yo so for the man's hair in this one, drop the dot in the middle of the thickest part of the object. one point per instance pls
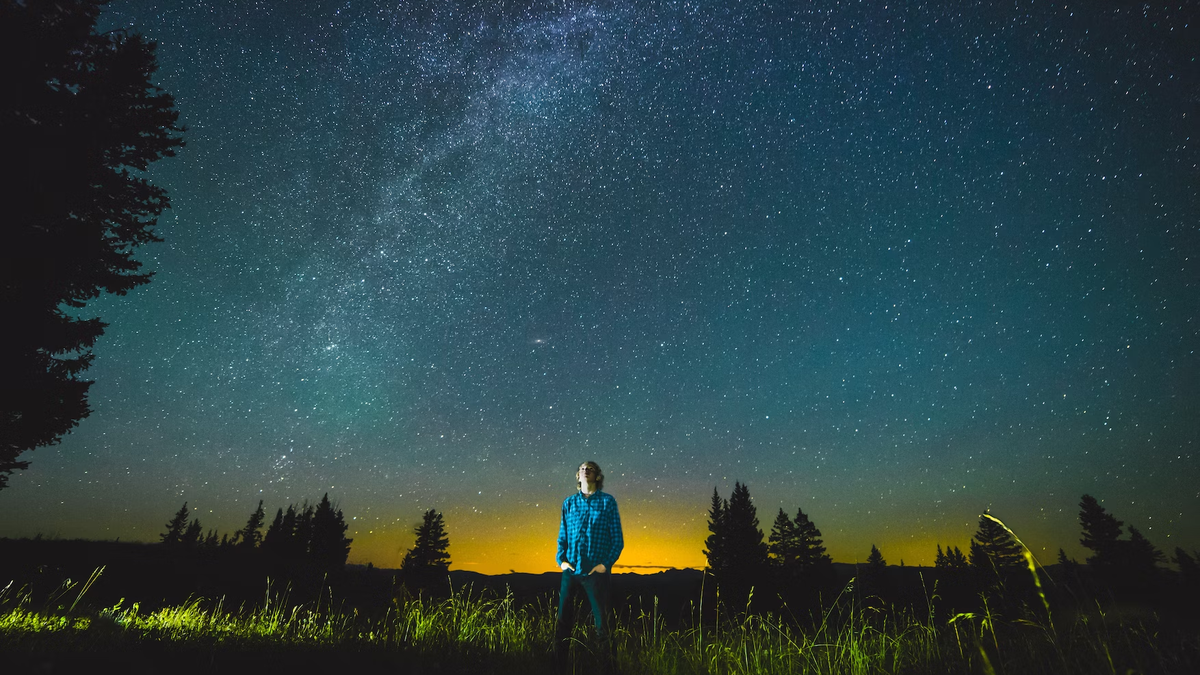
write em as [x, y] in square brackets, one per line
[599, 475]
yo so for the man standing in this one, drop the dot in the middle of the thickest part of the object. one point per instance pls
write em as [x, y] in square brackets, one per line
[589, 543]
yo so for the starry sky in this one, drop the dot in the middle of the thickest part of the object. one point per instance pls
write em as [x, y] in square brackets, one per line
[890, 263]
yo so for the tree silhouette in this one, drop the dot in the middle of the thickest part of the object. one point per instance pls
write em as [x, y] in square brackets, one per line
[993, 550]
[428, 561]
[716, 545]
[1141, 556]
[796, 552]
[783, 544]
[330, 547]
[956, 587]
[1101, 532]
[275, 541]
[175, 528]
[812, 555]
[250, 537]
[737, 554]
[191, 536]
[875, 561]
[79, 121]
[303, 532]
[952, 559]
[872, 577]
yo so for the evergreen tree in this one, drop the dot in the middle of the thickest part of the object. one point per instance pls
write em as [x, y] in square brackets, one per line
[872, 578]
[1063, 559]
[288, 532]
[428, 561]
[79, 124]
[191, 536]
[275, 540]
[250, 535]
[997, 550]
[875, 561]
[175, 528]
[330, 546]
[302, 537]
[747, 552]
[716, 545]
[1101, 532]
[956, 560]
[1141, 556]
[783, 548]
[810, 548]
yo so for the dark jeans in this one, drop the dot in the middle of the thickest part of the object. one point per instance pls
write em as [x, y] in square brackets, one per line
[596, 587]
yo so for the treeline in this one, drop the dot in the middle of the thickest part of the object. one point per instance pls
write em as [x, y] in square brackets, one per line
[789, 568]
[303, 535]
[306, 538]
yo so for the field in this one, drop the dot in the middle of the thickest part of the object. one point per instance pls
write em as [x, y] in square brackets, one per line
[486, 632]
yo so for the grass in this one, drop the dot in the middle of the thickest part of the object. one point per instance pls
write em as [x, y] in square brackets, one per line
[468, 632]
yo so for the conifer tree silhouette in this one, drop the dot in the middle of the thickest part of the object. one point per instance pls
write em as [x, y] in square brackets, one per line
[275, 540]
[175, 528]
[426, 563]
[1101, 533]
[737, 554]
[330, 547]
[993, 549]
[716, 545]
[191, 536]
[79, 122]
[250, 537]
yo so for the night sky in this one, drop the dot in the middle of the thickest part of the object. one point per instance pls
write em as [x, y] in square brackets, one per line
[893, 264]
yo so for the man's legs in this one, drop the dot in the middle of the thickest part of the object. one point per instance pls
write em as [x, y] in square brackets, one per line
[563, 621]
[597, 588]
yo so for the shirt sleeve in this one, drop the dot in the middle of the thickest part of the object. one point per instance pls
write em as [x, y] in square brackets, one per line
[562, 537]
[613, 522]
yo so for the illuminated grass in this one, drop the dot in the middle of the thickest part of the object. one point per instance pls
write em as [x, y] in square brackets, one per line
[467, 629]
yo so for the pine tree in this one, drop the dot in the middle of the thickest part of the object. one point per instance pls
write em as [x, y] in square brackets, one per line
[747, 552]
[716, 545]
[1141, 557]
[80, 123]
[810, 548]
[956, 559]
[330, 546]
[1101, 532]
[288, 532]
[175, 528]
[302, 536]
[427, 562]
[783, 548]
[250, 535]
[875, 560]
[275, 540]
[191, 536]
[997, 550]
[872, 578]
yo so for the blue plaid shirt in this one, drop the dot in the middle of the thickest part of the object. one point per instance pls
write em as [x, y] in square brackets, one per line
[590, 532]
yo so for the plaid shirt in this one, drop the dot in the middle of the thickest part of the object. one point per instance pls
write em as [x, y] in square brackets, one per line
[590, 532]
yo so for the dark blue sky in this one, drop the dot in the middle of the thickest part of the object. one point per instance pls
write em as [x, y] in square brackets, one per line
[892, 264]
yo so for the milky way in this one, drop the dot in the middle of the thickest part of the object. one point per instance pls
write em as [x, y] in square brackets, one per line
[893, 265]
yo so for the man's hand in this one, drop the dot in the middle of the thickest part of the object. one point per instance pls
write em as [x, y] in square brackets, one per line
[598, 568]
[567, 566]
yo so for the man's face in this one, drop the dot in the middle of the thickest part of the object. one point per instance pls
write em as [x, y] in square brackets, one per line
[587, 475]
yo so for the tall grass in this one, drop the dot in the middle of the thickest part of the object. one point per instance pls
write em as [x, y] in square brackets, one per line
[466, 628]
